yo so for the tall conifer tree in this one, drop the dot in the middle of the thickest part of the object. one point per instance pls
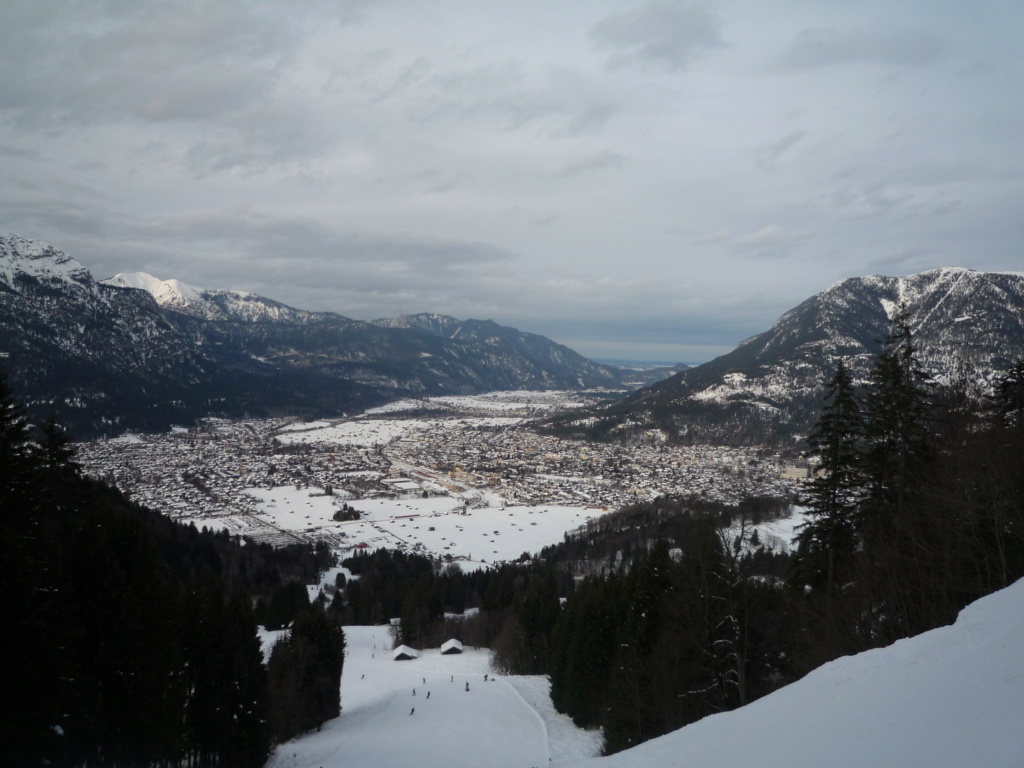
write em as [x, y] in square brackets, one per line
[897, 412]
[826, 544]
[892, 523]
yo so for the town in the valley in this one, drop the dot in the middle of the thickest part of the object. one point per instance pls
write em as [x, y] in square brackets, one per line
[459, 479]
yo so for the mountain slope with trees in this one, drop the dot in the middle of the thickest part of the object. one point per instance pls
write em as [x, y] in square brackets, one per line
[137, 352]
[131, 640]
[769, 389]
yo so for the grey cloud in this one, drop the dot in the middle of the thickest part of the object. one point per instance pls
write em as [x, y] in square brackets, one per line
[315, 266]
[598, 161]
[271, 133]
[76, 212]
[773, 242]
[891, 46]
[896, 197]
[368, 274]
[660, 35]
[504, 92]
[211, 72]
[273, 237]
[143, 61]
[769, 154]
[869, 199]
[9, 151]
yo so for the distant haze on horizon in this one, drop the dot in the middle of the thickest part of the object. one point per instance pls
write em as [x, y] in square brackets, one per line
[635, 180]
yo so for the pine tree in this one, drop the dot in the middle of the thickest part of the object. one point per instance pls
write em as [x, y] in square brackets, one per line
[55, 450]
[826, 543]
[892, 522]
[29, 584]
[897, 412]
[16, 454]
[1008, 397]
[304, 674]
[247, 744]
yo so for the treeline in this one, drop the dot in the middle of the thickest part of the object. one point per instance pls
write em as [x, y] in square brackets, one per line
[510, 609]
[916, 510]
[686, 619]
[686, 632]
[606, 543]
[918, 505]
[130, 640]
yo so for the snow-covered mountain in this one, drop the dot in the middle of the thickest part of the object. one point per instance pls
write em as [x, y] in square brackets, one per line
[769, 388]
[137, 351]
[22, 259]
[209, 304]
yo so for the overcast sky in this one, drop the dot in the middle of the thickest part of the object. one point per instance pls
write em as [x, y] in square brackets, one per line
[639, 180]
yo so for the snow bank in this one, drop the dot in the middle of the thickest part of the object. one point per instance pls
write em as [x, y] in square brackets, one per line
[950, 697]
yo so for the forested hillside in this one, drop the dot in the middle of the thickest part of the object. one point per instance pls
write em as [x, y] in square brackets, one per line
[131, 640]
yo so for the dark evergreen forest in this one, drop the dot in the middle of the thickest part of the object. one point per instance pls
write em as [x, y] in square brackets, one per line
[131, 640]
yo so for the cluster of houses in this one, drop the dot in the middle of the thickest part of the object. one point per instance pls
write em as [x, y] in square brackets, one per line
[527, 468]
[405, 653]
[204, 472]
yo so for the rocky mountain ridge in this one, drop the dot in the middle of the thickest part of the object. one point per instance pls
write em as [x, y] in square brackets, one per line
[769, 388]
[138, 352]
[205, 304]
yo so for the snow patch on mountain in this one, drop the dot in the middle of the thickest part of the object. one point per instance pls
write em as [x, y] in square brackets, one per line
[172, 293]
[208, 304]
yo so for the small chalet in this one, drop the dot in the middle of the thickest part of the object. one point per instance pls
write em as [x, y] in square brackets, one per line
[450, 647]
[404, 653]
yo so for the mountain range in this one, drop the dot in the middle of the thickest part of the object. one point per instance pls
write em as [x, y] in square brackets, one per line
[965, 324]
[137, 352]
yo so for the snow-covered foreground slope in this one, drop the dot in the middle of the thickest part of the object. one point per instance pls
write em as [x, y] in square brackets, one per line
[950, 697]
[499, 722]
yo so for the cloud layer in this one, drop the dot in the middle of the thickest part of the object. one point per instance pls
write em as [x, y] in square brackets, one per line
[638, 179]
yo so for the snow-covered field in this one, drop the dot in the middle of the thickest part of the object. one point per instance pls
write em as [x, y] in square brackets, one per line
[357, 432]
[440, 525]
[491, 409]
[501, 722]
[511, 400]
[777, 535]
[950, 698]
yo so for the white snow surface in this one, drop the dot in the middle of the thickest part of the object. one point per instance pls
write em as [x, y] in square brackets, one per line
[949, 698]
[503, 722]
[475, 537]
[509, 400]
[367, 432]
[777, 535]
